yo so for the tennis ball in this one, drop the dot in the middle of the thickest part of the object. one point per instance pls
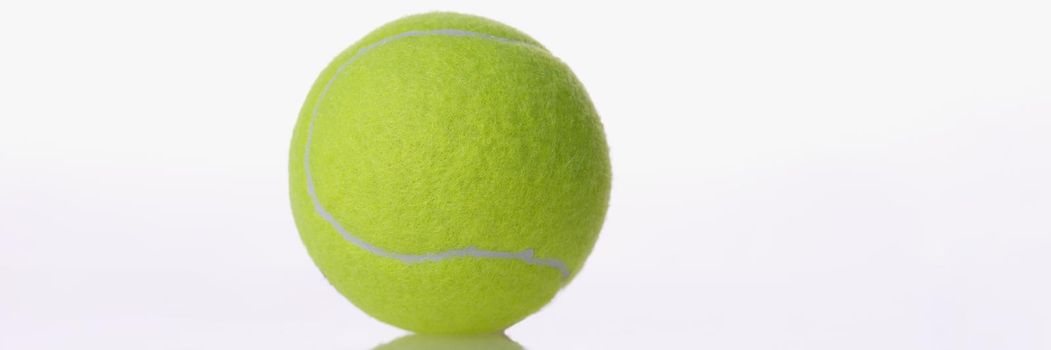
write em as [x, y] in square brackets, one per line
[448, 175]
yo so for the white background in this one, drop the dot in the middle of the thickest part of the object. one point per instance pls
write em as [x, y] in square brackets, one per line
[787, 174]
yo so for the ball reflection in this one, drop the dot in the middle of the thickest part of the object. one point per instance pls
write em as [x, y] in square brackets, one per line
[435, 342]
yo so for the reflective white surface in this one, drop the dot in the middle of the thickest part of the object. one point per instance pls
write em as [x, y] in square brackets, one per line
[800, 175]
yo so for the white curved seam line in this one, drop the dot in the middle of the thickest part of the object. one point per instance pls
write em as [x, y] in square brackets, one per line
[524, 256]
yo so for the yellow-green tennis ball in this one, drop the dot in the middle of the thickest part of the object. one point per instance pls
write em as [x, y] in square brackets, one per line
[448, 174]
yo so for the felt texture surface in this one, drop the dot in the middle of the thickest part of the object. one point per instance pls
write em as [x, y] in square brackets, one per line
[431, 143]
